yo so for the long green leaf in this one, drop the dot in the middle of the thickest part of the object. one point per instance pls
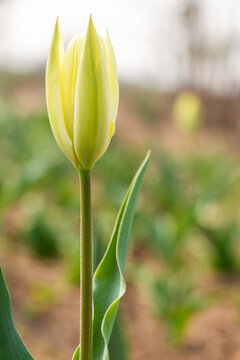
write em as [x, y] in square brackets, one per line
[11, 345]
[109, 284]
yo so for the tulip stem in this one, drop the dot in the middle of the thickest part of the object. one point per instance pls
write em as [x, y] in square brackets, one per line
[86, 267]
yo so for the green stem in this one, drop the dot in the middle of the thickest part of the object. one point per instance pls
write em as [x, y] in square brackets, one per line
[86, 267]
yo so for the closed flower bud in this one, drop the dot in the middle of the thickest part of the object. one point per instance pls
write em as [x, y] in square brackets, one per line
[82, 95]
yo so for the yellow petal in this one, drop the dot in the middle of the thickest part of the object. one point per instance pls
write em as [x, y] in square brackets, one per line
[54, 95]
[113, 77]
[92, 102]
[71, 61]
[111, 132]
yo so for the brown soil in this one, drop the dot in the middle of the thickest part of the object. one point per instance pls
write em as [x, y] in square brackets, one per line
[52, 331]
[214, 334]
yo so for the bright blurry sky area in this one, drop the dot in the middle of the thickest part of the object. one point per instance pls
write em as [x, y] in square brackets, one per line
[145, 34]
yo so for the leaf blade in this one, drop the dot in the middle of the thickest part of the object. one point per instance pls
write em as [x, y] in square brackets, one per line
[11, 345]
[109, 284]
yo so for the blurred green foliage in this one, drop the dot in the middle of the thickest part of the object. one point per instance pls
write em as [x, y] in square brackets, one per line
[176, 301]
[41, 239]
[187, 218]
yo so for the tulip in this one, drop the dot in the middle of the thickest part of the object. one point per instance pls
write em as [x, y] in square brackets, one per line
[82, 95]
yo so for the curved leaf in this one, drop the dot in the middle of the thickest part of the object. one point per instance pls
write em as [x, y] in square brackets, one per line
[109, 285]
[76, 355]
[11, 345]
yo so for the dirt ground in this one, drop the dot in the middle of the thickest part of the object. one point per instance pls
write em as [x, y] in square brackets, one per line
[51, 330]
[213, 333]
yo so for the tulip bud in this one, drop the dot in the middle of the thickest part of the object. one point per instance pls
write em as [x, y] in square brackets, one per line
[82, 95]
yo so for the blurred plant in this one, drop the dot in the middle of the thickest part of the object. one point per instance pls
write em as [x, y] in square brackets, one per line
[41, 239]
[176, 301]
[174, 297]
[187, 112]
[223, 243]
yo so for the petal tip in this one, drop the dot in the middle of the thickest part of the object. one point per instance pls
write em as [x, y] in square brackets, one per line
[91, 28]
[57, 23]
[90, 22]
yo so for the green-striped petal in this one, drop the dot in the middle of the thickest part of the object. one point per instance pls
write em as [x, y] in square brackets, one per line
[70, 66]
[54, 95]
[92, 102]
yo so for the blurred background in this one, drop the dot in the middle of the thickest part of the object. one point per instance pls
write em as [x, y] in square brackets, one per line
[179, 69]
